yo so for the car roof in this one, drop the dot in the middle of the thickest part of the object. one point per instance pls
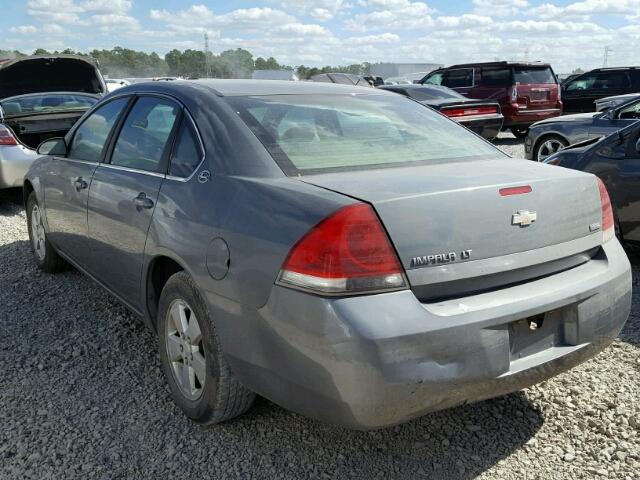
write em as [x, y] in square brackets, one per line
[497, 64]
[234, 88]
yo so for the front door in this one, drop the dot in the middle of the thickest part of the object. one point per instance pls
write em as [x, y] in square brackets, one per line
[124, 192]
[67, 184]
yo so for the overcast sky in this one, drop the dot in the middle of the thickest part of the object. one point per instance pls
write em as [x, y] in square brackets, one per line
[569, 34]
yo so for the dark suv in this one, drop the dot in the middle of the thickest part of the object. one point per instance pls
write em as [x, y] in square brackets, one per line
[527, 92]
[580, 93]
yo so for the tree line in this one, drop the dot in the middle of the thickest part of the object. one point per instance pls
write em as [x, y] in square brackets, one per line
[239, 63]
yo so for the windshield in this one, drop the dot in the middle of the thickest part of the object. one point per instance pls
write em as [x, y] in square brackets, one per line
[319, 133]
[46, 103]
[525, 75]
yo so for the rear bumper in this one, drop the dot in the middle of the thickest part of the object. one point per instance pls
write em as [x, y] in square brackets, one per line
[519, 117]
[15, 161]
[373, 361]
[487, 126]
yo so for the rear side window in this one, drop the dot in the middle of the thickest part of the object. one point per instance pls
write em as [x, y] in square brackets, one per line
[496, 77]
[186, 154]
[90, 137]
[143, 138]
[528, 75]
[458, 78]
[308, 134]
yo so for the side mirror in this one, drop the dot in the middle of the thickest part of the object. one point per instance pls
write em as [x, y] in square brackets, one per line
[53, 146]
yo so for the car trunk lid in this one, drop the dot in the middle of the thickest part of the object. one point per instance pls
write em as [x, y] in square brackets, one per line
[49, 74]
[444, 216]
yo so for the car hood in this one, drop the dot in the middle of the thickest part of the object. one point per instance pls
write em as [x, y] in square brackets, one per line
[54, 73]
[577, 117]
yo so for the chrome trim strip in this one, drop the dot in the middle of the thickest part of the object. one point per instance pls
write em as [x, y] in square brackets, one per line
[85, 162]
[132, 170]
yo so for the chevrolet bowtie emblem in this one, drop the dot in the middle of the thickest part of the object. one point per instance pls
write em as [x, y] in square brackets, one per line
[524, 218]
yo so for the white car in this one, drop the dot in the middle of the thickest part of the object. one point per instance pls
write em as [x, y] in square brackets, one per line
[115, 83]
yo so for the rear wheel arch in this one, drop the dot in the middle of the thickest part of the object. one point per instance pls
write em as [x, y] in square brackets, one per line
[160, 270]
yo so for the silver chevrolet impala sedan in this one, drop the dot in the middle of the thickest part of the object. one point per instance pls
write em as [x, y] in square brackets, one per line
[346, 253]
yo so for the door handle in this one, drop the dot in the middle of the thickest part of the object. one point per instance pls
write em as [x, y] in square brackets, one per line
[142, 201]
[80, 184]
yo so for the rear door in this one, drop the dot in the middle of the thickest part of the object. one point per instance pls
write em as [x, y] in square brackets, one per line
[124, 192]
[67, 183]
[494, 83]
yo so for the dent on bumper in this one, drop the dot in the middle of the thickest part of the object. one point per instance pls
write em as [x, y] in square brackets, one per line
[369, 362]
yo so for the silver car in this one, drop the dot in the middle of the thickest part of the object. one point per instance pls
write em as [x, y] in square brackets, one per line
[344, 252]
[41, 97]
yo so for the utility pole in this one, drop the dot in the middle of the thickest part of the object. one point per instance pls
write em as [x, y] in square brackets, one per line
[207, 70]
[607, 51]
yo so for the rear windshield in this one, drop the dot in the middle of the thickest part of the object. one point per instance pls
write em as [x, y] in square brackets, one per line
[318, 133]
[526, 75]
[46, 103]
[433, 93]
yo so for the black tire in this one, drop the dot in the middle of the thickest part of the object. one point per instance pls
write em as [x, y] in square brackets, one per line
[519, 132]
[543, 140]
[45, 255]
[222, 396]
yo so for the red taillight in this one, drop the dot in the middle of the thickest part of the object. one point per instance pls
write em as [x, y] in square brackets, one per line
[505, 192]
[608, 232]
[6, 137]
[347, 252]
[463, 112]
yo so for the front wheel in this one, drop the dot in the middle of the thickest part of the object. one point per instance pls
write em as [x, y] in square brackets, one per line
[547, 146]
[46, 257]
[519, 132]
[198, 375]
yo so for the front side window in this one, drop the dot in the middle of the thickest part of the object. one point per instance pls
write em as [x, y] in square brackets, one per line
[144, 135]
[186, 154]
[318, 133]
[458, 78]
[600, 81]
[90, 137]
[434, 79]
[631, 112]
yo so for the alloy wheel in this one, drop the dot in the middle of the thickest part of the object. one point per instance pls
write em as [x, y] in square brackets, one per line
[38, 238]
[548, 148]
[185, 350]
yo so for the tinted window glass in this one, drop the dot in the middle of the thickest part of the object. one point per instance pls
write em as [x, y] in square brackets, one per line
[461, 77]
[89, 139]
[144, 134]
[631, 112]
[496, 77]
[315, 133]
[186, 154]
[533, 75]
[600, 81]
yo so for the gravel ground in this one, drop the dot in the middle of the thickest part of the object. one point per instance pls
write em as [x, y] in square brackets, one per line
[82, 396]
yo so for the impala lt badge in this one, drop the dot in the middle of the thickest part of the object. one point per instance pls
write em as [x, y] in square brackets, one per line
[440, 258]
[524, 218]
